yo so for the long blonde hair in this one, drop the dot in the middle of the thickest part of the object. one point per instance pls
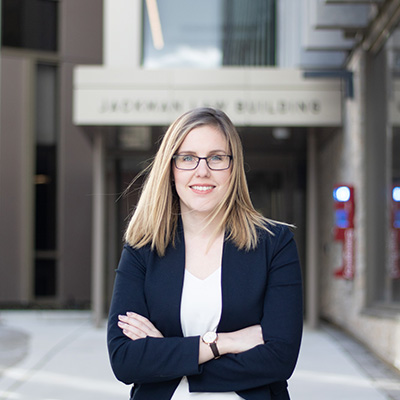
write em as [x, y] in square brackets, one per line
[155, 218]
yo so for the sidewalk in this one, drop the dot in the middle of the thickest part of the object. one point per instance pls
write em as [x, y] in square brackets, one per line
[59, 355]
[333, 366]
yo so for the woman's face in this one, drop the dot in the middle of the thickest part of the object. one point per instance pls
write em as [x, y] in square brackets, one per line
[202, 189]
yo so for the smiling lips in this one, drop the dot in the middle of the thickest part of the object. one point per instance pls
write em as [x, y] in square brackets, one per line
[202, 189]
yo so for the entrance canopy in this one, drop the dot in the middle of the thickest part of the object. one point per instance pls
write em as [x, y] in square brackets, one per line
[250, 96]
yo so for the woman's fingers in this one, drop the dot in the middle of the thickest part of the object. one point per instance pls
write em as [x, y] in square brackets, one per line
[142, 321]
[145, 324]
[136, 326]
[131, 331]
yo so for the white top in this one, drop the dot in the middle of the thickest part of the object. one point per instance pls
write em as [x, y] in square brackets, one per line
[201, 308]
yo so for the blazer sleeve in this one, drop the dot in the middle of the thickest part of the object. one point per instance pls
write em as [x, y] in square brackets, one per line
[146, 360]
[281, 323]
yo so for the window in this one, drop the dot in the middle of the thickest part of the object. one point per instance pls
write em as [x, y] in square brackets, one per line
[208, 33]
[383, 174]
[30, 24]
[392, 286]
[46, 181]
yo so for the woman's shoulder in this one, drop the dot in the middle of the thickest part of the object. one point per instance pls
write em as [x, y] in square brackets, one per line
[148, 251]
[275, 231]
[138, 253]
[133, 249]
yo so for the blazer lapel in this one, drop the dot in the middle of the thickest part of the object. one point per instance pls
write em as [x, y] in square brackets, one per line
[164, 283]
[226, 286]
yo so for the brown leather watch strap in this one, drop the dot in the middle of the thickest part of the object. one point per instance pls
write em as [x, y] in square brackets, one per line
[214, 349]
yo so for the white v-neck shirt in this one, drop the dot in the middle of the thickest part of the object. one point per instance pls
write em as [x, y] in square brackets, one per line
[201, 308]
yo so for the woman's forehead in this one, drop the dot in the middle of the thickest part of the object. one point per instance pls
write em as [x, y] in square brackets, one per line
[205, 137]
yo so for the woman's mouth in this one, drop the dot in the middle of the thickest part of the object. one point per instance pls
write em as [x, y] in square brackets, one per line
[202, 189]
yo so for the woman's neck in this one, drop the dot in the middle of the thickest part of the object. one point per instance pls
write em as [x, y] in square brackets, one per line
[199, 225]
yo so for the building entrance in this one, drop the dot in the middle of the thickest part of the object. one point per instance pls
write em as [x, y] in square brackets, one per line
[275, 162]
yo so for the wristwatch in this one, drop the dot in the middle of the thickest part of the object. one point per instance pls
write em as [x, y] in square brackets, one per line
[211, 338]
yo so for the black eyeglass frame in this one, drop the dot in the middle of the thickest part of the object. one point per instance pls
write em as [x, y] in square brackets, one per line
[203, 158]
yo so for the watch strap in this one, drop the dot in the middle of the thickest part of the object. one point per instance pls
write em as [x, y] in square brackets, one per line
[214, 349]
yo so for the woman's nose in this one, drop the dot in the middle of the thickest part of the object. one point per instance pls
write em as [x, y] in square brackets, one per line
[202, 169]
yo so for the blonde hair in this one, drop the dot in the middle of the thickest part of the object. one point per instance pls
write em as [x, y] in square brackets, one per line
[155, 218]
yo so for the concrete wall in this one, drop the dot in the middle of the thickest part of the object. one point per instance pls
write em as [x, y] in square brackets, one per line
[16, 187]
[81, 30]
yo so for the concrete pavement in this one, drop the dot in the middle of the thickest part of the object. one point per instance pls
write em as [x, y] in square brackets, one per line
[332, 366]
[60, 355]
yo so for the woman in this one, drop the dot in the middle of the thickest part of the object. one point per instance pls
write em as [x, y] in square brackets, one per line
[207, 300]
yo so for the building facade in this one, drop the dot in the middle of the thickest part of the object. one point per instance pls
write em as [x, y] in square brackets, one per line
[311, 86]
[45, 160]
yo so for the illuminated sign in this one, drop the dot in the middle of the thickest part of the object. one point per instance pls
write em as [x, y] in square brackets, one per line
[341, 193]
[396, 193]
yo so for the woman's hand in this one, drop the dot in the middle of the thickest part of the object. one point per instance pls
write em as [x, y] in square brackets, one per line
[135, 326]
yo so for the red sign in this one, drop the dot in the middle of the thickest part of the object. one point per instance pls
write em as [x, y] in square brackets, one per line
[346, 271]
[344, 209]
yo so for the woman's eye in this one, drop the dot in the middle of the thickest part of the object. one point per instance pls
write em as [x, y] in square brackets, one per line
[187, 158]
[216, 158]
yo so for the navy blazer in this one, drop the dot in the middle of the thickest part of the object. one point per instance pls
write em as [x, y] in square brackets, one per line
[261, 286]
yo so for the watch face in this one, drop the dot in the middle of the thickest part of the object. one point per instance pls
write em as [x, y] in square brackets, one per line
[210, 337]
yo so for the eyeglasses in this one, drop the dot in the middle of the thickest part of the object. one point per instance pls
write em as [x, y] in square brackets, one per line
[216, 162]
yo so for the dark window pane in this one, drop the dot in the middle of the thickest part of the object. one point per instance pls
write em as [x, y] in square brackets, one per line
[45, 278]
[45, 218]
[249, 32]
[46, 157]
[30, 24]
